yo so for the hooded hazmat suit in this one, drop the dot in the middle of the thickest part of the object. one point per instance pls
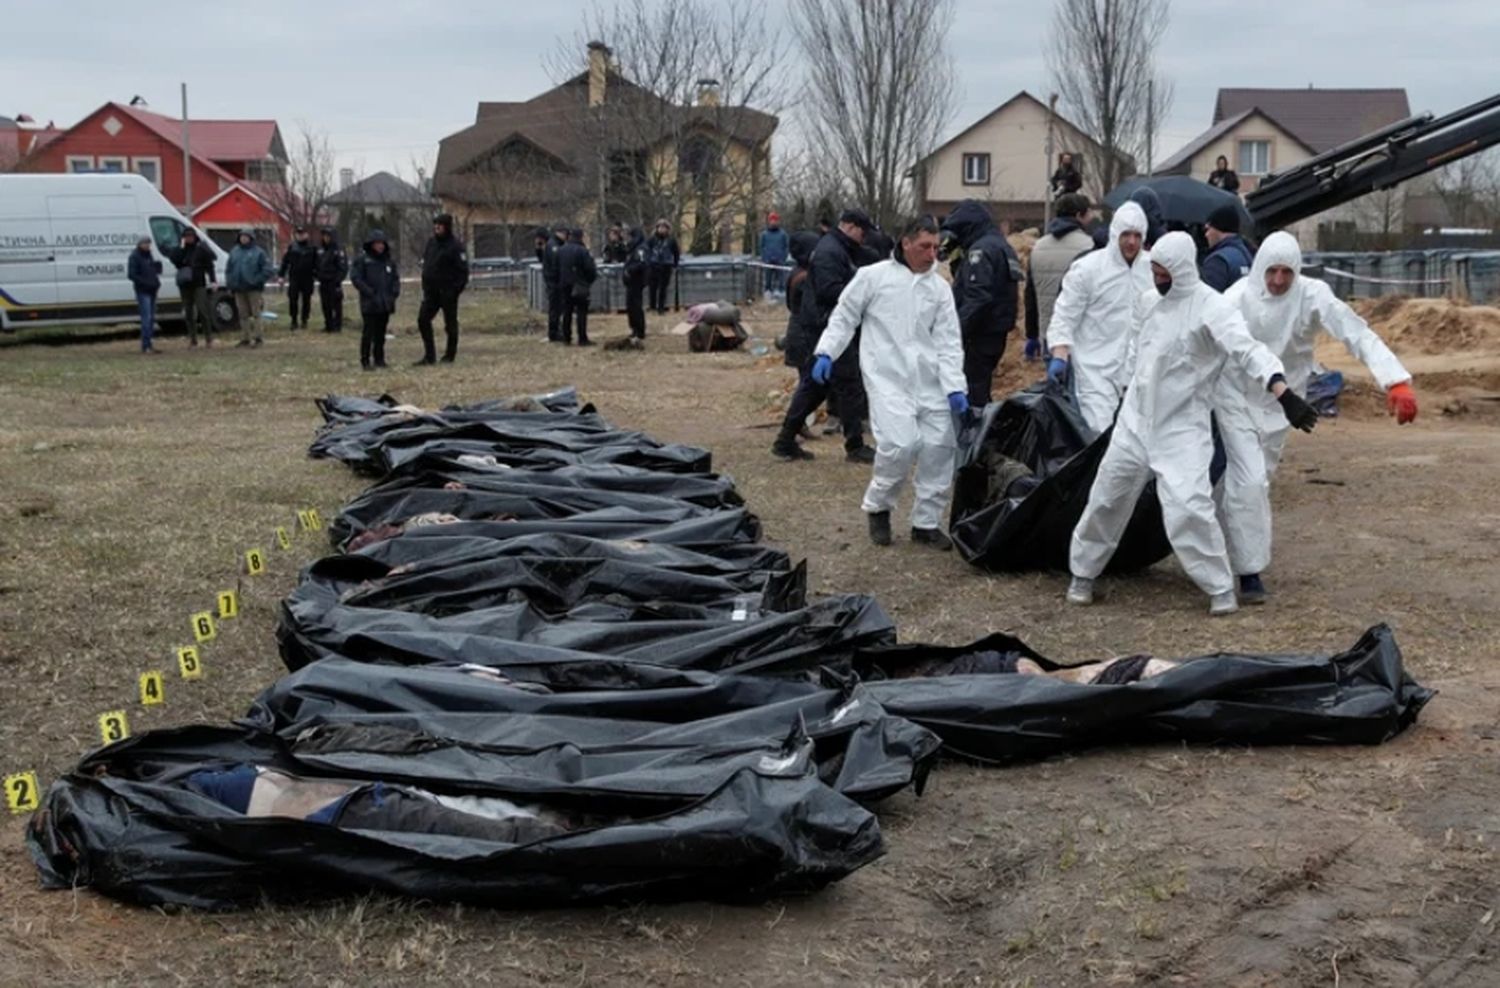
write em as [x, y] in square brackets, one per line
[1094, 317]
[1182, 342]
[911, 355]
[1251, 422]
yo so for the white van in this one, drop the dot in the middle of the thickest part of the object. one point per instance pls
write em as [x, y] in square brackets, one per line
[64, 242]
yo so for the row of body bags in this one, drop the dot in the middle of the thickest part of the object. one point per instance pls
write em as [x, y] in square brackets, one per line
[552, 663]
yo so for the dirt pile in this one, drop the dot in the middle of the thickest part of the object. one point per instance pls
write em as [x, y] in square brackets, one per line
[1432, 325]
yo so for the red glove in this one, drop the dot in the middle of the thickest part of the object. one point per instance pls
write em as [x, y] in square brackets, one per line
[1401, 402]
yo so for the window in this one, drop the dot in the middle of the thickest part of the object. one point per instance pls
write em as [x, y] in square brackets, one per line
[269, 170]
[149, 169]
[80, 163]
[1255, 157]
[976, 169]
[111, 163]
[167, 232]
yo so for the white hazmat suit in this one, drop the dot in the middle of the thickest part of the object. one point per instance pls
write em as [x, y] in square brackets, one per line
[911, 355]
[1177, 351]
[1251, 422]
[1094, 317]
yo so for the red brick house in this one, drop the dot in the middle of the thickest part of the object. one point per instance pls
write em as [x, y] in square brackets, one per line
[237, 167]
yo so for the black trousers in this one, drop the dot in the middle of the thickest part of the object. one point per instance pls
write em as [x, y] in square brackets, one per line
[635, 310]
[846, 385]
[556, 303]
[979, 371]
[578, 307]
[331, 295]
[659, 277]
[432, 304]
[372, 338]
[299, 290]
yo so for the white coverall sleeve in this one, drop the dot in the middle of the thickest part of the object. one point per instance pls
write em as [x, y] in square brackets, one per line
[947, 337]
[1140, 309]
[1226, 326]
[847, 315]
[1362, 342]
[1072, 302]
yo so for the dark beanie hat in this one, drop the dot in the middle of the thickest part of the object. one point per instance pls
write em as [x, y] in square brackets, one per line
[1225, 219]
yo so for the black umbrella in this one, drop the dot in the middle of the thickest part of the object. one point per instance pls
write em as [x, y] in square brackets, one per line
[1183, 200]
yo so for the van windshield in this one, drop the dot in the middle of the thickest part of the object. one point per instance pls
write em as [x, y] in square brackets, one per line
[167, 232]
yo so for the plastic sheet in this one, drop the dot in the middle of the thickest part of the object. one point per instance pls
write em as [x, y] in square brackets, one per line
[1361, 696]
[128, 823]
[1023, 480]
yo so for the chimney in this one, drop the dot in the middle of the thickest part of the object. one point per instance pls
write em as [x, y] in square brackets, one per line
[708, 92]
[346, 178]
[598, 71]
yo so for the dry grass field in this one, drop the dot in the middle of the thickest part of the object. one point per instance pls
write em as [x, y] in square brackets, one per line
[130, 487]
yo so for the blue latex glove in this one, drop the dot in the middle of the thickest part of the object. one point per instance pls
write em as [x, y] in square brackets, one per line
[1033, 351]
[959, 403]
[822, 370]
[1057, 370]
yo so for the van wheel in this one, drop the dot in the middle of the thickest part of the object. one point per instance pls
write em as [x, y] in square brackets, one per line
[225, 317]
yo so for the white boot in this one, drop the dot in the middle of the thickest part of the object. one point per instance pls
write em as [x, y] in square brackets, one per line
[1221, 604]
[1081, 591]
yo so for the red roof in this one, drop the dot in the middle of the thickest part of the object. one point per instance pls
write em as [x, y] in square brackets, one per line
[213, 140]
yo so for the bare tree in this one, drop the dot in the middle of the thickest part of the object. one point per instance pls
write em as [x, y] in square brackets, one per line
[1102, 56]
[311, 177]
[684, 125]
[879, 90]
[1469, 190]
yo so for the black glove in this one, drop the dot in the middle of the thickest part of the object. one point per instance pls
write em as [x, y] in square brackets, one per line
[1298, 412]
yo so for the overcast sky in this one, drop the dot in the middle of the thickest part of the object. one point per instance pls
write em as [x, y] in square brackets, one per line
[387, 80]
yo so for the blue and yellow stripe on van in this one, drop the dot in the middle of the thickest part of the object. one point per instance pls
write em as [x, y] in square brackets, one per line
[21, 313]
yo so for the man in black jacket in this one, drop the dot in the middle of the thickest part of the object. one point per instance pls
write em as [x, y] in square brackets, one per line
[1229, 257]
[555, 301]
[445, 274]
[830, 268]
[985, 288]
[332, 266]
[373, 274]
[299, 272]
[576, 273]
[634, 278]
[616, 249]
[662, 256]
[195, 261]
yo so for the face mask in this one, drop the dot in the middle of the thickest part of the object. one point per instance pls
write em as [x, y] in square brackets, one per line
[1163, 287]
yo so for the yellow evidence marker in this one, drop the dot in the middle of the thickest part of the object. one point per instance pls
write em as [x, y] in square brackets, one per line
[113, 726]
[21, 792]
[188, 662]
[153, 690]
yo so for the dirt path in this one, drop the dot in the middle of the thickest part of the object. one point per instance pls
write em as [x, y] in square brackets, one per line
[1157, 865]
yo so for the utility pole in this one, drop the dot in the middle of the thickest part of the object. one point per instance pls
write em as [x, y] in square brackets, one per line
[1150, 122]
[1047, 169]
[187, 160]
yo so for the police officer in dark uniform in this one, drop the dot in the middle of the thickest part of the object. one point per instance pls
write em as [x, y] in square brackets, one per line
[445, 274]
[299, 269]
[829, 270]
[332, 268]
[986, 283]
[634, 279]
[551, 278]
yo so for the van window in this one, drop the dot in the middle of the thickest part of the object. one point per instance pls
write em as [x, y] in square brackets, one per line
[167, 232]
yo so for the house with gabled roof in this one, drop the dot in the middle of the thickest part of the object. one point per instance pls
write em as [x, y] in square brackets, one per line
[1264, 131]
[236, 168]
[1001, 159]
[601, 148]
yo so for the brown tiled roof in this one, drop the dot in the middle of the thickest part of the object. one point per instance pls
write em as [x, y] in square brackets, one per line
[557, 124]
[1319, 118]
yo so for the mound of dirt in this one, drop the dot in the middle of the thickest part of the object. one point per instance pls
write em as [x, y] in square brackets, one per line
[1432, 325]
